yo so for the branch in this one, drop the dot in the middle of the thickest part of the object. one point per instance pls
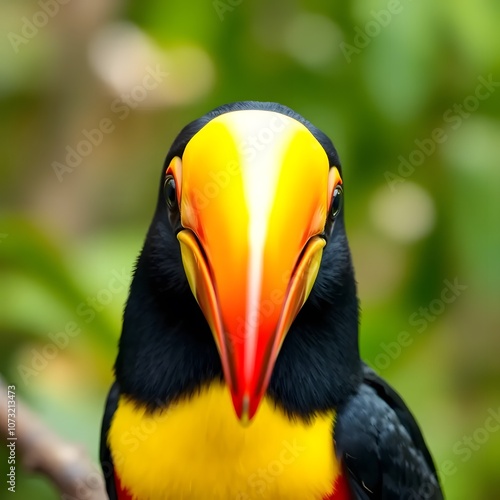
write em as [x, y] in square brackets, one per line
[68, 465]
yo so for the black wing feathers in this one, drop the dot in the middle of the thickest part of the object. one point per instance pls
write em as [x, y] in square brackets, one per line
[382, 449]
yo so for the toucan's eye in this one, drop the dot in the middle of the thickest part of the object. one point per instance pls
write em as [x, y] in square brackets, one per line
[338, 195]
[170, 192]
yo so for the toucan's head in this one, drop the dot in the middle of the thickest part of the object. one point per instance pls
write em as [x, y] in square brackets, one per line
[252, 193]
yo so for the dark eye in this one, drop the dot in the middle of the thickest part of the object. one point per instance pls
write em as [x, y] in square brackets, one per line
[338, 195]
[170, 192]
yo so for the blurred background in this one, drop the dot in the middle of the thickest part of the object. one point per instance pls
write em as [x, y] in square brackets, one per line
[92, 93]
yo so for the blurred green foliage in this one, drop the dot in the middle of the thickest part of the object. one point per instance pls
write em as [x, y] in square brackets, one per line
[391, 82]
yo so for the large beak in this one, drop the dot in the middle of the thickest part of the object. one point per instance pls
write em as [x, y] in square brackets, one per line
[251, 241]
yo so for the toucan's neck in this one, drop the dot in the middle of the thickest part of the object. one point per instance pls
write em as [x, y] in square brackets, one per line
[167, 351]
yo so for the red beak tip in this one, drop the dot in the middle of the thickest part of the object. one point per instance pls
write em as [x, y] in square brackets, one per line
[243, 412]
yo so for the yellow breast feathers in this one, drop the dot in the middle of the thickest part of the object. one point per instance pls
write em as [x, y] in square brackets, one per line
[197, 450]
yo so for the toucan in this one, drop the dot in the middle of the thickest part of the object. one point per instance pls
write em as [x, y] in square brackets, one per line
[238, 374]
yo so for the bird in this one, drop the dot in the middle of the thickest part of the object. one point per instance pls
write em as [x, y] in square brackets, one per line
[238, 374]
